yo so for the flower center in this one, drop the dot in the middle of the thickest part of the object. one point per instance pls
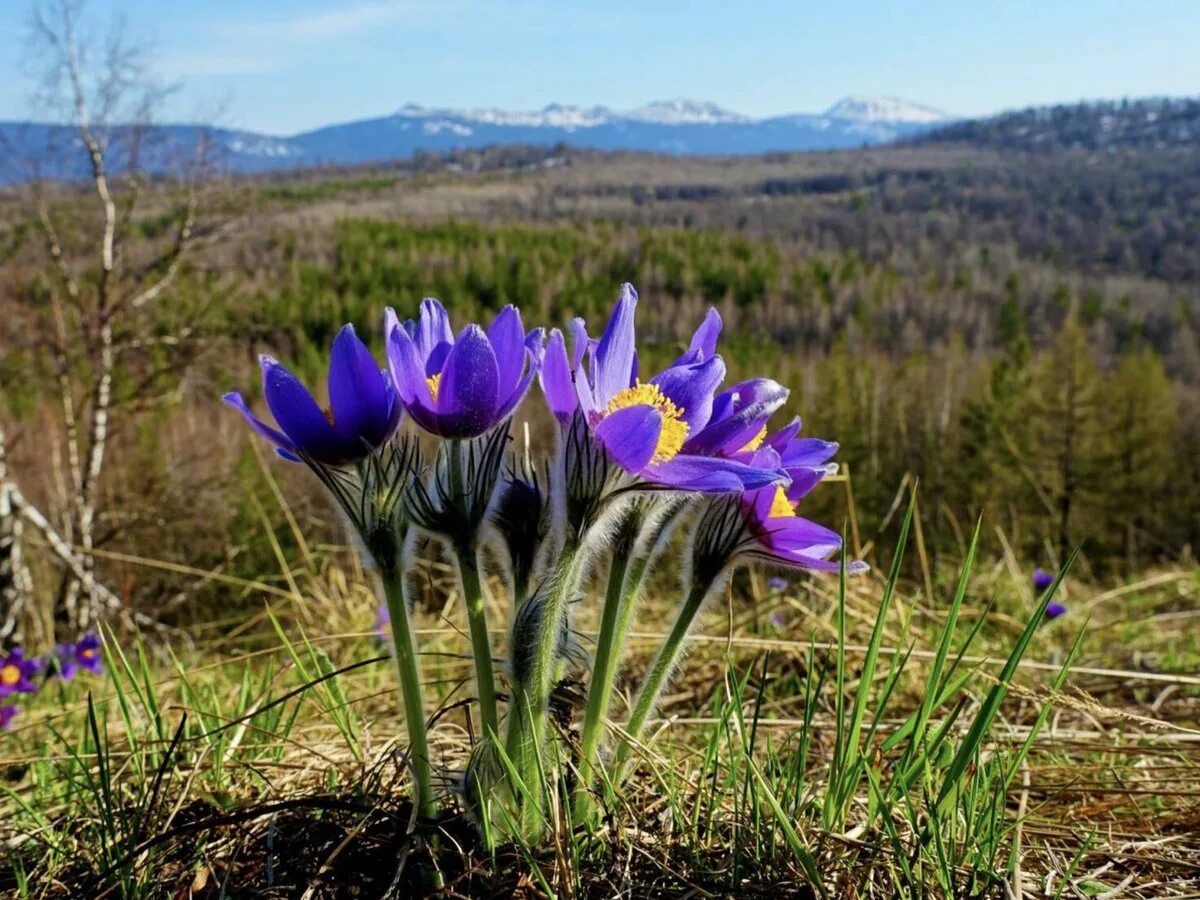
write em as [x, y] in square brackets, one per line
[781, 506]
[674, 429]
[434, 381]
[88, 654]
[10, 675]
[755, 442]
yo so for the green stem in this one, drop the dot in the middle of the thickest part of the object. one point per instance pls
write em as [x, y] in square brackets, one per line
[467, 559]
[660, 671]
[528, 717]
[604, 672]
[408, 668]
[545, 660]
[481, 647]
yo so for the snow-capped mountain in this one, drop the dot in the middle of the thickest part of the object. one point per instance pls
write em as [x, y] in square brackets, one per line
[665, 126]
[885, 109]
[683, 112]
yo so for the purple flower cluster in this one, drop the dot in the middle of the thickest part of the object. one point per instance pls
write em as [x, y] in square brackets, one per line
[21, 674]
[639, 449]
[1042, 582]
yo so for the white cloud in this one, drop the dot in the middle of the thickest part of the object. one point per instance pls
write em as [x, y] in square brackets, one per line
[259, 46]
[315, 27]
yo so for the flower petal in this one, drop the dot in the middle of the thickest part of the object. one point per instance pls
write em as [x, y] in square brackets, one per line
[468, 394]
[580, 342]
[691, 388]
[739, 415]
[555, 378]
[358, 392]
[810, 563]
[712, 474]
[281, 441]
[615, 353]
[433, 335]
[630, 436]
[781, 438]
[508, 343]
[405, 363]
[300, 418]
[522, 388]
[804, 480]
[705, 338]
[793, 534]
[807, 452]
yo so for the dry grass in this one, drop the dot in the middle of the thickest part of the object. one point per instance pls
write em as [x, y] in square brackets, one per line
[236, 771]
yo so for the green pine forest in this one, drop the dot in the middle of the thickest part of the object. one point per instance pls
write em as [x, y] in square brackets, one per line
[1055, 393]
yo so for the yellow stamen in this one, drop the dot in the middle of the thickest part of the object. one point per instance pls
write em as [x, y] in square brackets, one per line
[88, 653]
[674, 429]
[755, 442]
[434, 381]
[781, 506]
[10, 675]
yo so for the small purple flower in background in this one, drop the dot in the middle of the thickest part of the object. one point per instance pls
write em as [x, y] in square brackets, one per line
[17, 673]
[775, 583]
[1042, 579]
[383, 623]
[7, 714]
[83, 655]
[364, 409]
[461, 387]
[777, 619]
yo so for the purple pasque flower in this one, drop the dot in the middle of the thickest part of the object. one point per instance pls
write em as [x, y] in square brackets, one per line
[1042, 580]
[461, 387]
[7, 714]
[776, 535]
[363, 412]
[84, 655]
[1054, 609]
[17, 673]
[644, 425]
[768, 528]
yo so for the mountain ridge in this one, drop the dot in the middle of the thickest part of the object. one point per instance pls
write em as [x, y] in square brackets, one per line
[673, 126]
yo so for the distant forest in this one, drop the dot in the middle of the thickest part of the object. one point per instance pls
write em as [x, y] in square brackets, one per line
[1017, 331]
[1145, 124]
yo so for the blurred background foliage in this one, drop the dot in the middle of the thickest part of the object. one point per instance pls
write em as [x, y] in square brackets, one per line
[1053, 393]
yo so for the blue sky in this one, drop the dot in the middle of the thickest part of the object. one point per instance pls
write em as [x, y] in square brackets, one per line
[282, 66]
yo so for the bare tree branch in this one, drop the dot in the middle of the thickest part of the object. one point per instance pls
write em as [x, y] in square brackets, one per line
[16, 584]
[94, 304]
[61, 549]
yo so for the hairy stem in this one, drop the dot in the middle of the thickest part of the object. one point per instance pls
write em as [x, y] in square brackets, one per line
[604, 671]
[466, 556]
[408, 669]
[481, 647]
[528, 720]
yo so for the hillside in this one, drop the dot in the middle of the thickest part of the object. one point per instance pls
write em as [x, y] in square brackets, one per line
[1153, 123]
